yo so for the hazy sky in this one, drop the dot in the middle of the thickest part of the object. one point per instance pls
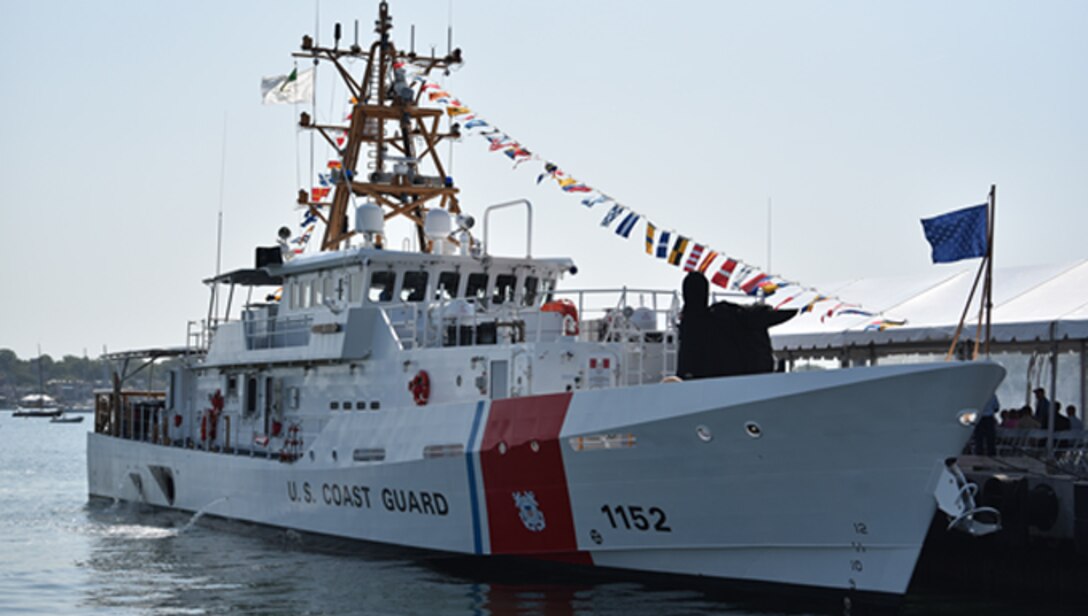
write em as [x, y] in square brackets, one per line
[855, 118]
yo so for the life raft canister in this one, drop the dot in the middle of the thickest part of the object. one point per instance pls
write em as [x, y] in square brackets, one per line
[420, 386]
[566, 308]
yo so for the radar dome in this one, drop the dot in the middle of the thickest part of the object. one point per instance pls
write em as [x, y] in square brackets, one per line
[369, 218]
[437, 225]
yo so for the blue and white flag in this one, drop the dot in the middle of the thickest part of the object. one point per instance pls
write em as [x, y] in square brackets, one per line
[612, 215]
[663, 244]
[627, 225]
[957, 235]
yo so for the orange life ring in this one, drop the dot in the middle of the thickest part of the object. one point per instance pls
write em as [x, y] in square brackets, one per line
[420, 386]
[566, 308]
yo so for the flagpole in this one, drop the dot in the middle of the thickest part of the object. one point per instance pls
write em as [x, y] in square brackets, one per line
[990, 263]
[219, 221]
[963, 316]
[981, 309]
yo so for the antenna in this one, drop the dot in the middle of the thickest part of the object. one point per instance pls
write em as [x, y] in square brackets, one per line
[384, 98]
[219, 221]
[449, 30]
[769, 268]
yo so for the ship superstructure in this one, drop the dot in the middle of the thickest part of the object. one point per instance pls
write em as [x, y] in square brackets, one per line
[450, 399]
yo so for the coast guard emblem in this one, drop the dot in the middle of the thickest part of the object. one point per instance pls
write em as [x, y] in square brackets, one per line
[531, 515]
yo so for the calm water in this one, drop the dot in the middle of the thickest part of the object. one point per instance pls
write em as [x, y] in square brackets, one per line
[61, 555]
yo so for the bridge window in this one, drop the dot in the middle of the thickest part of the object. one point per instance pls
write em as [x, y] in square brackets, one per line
[476, 288]
[531, 285]
[304, 294]
[504, 288]
[381, 287]
[319, 292]
[448, 283]
[414, 287]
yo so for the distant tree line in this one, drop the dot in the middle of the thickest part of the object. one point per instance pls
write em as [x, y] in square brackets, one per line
[23, 373]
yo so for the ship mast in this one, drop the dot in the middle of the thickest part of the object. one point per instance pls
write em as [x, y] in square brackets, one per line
[380, 158]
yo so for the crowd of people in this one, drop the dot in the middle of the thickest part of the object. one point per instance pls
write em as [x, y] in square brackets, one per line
[1024, 418]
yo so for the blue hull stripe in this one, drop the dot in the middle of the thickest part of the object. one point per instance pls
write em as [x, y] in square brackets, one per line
[477, 541]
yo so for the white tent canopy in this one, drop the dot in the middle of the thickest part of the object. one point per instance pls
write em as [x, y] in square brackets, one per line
[1030, 303]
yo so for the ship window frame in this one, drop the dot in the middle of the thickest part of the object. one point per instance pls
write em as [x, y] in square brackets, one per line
[328, 287]
[505, 289]
[389, 287]
[440, 286]
[250, 402]
[413, 286]
[304, 293]
[318, 293]
[547, 287]
[530, 292]
[474, 292]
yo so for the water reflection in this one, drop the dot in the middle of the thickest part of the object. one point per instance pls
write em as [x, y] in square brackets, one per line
[143, 561]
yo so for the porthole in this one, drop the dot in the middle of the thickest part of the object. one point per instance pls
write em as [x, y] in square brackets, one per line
[535, 446]
[502, 447]
[753, 429]
[703, 433]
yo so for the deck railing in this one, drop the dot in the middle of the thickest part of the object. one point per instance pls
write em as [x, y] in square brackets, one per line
[641, 322]
[1070, 450]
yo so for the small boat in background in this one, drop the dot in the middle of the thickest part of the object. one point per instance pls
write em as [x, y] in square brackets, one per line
[64, 418]
[37, 405]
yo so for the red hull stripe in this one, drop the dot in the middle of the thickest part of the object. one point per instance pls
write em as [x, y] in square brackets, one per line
[528, 504]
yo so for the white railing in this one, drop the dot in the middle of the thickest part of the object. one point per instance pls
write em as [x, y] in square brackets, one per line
[640, 322]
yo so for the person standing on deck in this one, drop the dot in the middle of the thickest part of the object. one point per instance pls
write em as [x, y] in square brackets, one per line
[986, 430]
[1042, 407]
[1074, 422]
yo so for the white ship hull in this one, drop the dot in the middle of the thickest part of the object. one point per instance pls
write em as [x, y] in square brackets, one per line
[832, 488]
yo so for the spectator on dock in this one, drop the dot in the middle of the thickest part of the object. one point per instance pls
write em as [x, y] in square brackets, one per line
[1074, 422]
[1010, 418]
[1027, 421]
[1061, 422]
[1042, 407]
[985, 435]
